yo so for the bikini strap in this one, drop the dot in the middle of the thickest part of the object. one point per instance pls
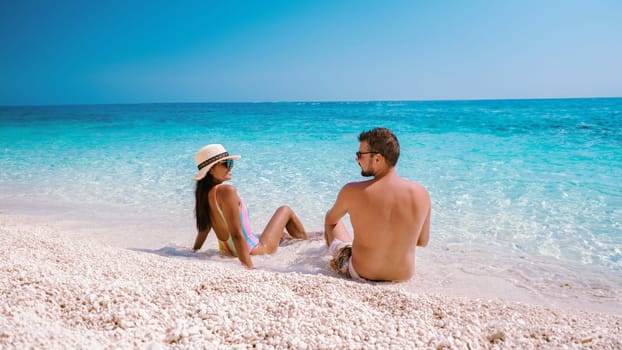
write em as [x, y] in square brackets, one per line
[222, 215]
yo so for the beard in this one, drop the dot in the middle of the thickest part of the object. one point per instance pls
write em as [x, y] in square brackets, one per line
[367, 173]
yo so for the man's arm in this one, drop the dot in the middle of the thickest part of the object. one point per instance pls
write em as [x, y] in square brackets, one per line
[339, 209]
[424, 236]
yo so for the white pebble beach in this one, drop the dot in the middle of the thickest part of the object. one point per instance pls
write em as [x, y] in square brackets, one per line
[62, 290]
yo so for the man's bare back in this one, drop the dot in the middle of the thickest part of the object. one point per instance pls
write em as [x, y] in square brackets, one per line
[390, 216]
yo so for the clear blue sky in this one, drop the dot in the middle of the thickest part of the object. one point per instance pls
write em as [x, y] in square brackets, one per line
[77, 52]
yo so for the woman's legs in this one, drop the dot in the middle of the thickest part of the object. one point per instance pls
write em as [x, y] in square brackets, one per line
[283, 219]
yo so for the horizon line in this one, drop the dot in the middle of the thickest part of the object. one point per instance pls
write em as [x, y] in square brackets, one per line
[311, 101]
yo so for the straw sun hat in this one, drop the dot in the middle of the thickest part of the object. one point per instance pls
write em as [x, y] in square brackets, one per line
[208, 156]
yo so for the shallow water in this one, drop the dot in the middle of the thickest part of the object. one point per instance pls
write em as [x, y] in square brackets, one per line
[526, 193]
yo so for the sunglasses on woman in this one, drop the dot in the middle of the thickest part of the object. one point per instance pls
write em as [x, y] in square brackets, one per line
[227, 163]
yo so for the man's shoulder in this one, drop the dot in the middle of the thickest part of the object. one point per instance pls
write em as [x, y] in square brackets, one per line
[417, 191]
[411, 184]
[413, 188]
[357, 185]
[352, 190]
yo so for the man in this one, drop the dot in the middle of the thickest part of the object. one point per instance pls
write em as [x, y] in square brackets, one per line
[390, 216]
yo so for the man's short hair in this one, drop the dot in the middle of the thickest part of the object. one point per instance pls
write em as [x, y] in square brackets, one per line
[383, 141]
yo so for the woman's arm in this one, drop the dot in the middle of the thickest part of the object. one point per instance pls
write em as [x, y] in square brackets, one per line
[201, 236]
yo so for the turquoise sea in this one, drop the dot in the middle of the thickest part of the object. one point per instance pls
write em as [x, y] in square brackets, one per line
[526, 191]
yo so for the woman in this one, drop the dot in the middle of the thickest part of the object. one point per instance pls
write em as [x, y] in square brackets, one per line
[218, 206]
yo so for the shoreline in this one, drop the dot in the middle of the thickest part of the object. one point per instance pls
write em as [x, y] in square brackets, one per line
[468, 270]
[63, 289]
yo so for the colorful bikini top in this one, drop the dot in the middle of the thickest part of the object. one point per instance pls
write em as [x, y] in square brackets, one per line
[227, 247]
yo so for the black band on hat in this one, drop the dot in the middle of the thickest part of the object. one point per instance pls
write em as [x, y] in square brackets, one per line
[213, 159]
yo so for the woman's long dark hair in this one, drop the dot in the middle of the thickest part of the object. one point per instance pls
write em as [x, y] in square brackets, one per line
[201, 206]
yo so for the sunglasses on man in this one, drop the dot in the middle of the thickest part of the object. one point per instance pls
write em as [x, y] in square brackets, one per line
[359, 154]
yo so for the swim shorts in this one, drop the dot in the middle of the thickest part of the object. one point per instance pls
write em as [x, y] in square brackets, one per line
[342, 260]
